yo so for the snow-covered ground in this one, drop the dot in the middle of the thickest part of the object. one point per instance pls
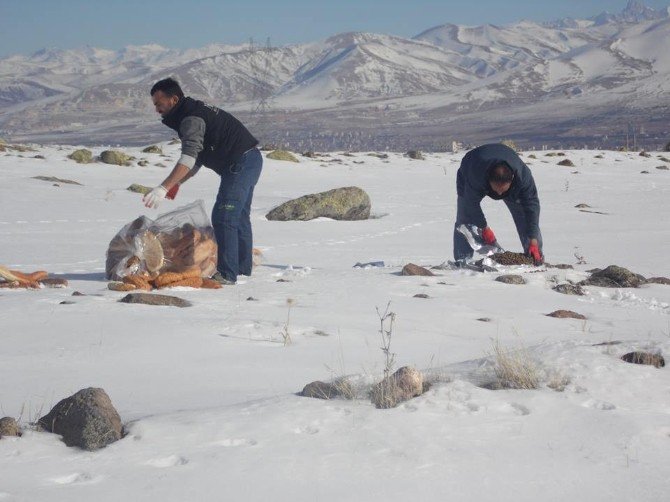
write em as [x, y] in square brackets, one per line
[207, 393]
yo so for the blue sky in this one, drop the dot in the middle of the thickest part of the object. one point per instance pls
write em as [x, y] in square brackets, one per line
[29, 25]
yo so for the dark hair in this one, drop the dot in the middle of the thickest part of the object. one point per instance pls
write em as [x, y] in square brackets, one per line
[501, 173]
[168, 86]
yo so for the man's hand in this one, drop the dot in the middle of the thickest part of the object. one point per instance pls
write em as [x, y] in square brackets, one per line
[534, 252]
[488, 236]
[172, 193]
[154, 198]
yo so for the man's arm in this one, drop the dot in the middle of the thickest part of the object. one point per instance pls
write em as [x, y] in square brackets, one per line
[531, 208]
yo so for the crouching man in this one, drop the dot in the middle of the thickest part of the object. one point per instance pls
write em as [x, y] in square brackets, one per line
[496, 171]
[215, 139]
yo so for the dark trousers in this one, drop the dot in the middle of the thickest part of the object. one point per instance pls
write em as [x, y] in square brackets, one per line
[231, 215]
[462, 249]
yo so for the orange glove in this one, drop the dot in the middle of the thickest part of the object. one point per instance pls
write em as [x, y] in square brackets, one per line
[488, 236]
[172, 193]
[534, 252]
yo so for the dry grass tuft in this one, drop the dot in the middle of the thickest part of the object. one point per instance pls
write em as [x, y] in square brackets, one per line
[514, 368]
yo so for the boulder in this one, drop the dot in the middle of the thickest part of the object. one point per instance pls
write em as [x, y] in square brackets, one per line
[566, 314]
[639, 357]
[9, 427]
[347, 203]
[404, 384]
[153, 149]
[86, 419]
[82, 156]
[659, 280]
[323, 390]
[282, 155]
[412, 269]
[614, 277]
[115, 157]
[137, 188]
[155, 299]
[569, 289]
[511, 279]
[416, 155]
[566, 162]
[663, 168]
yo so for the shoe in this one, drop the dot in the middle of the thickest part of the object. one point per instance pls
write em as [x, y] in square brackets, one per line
[222, 280]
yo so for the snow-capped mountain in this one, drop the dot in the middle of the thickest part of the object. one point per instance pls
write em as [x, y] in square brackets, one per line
[571, 80]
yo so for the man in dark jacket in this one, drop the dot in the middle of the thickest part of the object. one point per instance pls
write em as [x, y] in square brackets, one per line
[215, 139]
[497, 171]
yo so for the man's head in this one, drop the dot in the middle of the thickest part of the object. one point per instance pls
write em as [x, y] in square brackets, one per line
[500, 178]
[166, 94]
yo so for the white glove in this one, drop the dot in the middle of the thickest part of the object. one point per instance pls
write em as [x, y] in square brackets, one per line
[154, 198]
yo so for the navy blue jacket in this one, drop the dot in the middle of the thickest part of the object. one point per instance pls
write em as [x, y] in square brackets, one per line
[223, 139]
[472, 183]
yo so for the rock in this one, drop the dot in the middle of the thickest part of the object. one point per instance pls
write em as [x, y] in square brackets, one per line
[143, 163]
[41, 157]
[412, 269]
[86, 419]
[421, 295]
[582, 206]
[404, 384]
[416, 155]
[659, 280]
[566, 314]
[644, 172]
[348, 203]
[82, 156]
[137, 188]
[115, 157]
[379, 155]
[566, 162]
[155, 299]
[644, 154]
[560, 266]
[282, 155]
[569, 289]
[309, 155]
[9, 427]
[510, 279]
[639, 357]
[599, 157]
[510, 258]
[78, 293]
[323, 390]
[153, 149]
[614, 277]
[54, 282]
[53, 179]
[663, 168]
[484, 319]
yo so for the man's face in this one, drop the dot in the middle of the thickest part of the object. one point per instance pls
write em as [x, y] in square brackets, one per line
[164, 103]
[500, 188]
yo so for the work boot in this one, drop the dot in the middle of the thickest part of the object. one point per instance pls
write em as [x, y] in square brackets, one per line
[222, 280]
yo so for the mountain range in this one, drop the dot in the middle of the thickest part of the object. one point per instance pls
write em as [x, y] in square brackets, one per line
[602, 81]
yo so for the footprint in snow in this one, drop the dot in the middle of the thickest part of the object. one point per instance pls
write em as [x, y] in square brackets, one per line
[76, 478]
[234, 442]
[597, 404]
[169, 461]
[306, 430]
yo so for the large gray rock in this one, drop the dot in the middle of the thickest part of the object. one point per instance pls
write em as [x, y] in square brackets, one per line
[614, 277]
[115, 157]
[404, 384]
[86, 419]
[511, 279]
[569, 289]
[347, 203]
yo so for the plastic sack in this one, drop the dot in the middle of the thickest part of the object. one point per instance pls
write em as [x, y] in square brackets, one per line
[473, 235]
[174, 242]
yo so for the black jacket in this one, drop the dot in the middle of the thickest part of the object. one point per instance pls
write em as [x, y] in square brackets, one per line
[472, 184]
[225, 138]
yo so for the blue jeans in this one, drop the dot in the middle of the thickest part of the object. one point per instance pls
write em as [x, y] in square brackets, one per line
[231, 215]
